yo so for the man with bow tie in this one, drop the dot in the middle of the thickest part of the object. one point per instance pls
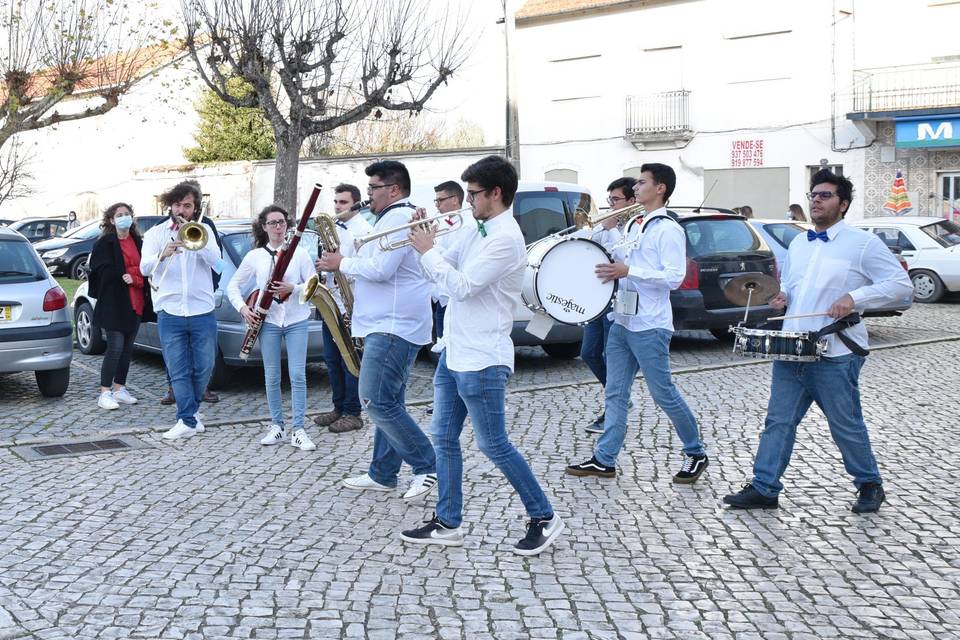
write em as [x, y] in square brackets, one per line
[834, 269]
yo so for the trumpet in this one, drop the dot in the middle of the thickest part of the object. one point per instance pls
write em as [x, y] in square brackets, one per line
[584, 220]
[399, 244]
[194, 237]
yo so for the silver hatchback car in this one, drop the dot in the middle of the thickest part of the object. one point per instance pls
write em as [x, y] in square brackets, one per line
[35, 327]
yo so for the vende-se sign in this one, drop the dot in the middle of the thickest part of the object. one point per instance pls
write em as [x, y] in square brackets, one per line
[940, 132]
[746, 153]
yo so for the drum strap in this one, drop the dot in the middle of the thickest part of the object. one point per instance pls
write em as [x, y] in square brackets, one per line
[837, 328]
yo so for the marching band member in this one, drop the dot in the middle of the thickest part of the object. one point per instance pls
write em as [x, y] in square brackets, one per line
[392, 314]
[607, 235]
[287, 320]
[482, 273]
[649, 266]
[184, 305]
[344, 386]
[840, 269]
[448, 197]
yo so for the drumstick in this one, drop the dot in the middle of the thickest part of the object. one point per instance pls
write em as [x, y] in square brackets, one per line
[799, 315]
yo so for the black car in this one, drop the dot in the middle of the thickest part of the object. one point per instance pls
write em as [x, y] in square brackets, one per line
[720, 246]
[68, 254]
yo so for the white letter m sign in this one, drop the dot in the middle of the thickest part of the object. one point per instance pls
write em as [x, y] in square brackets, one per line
[925, 131]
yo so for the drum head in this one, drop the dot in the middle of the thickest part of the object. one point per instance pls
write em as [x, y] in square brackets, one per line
[567, 287]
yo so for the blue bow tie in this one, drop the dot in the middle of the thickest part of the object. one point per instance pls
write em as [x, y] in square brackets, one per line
[813, 235]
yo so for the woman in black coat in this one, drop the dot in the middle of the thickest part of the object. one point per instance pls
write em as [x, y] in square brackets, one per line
[122, 299]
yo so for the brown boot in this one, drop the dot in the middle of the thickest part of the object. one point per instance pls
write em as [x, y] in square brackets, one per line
[346, 423]
[168, 399]
[210, 396]
[326, 419]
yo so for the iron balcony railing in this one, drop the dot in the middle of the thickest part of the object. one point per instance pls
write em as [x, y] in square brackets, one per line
[926, 86]
[659, 116]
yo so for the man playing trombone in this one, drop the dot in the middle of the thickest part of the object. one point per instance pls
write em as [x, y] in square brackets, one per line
[182, 277]
[392, 314]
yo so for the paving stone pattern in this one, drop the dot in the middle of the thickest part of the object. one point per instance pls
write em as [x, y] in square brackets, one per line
[218, 537]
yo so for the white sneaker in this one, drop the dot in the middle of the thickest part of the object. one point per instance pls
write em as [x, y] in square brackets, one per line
[421, 486]
[302, 441]
[364, 483]
[200, 427]
[274, 436]
[123, 396]
[179, 430]
[106, 401]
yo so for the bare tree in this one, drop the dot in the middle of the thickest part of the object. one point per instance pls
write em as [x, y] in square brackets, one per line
[15, 176]
[316, 65]
[395, 134]
[51, 50]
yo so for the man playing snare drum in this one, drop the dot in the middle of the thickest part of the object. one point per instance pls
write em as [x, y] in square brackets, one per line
[836, 269]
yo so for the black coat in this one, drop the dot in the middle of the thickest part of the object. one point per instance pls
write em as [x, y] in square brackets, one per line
[114, 310]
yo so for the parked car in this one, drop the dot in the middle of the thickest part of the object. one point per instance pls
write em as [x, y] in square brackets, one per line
[236, 239]
[68, 254]
[39, 229]
[929, 246]
[5, 222]
[34, 319]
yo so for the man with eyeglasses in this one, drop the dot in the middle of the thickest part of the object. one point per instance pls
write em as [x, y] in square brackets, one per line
[830, 272]
[392, 314]
[607, 234]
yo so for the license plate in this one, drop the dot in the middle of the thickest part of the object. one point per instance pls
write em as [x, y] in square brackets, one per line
[6, 313]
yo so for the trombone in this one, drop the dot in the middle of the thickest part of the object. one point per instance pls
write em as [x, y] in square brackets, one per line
[399, 244]
[583, 220]
[194, 237]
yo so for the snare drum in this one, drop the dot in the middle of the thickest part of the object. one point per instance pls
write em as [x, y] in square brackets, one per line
[559, 280]
[795, 346]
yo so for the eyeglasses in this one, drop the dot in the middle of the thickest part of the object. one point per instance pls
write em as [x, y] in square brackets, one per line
[276, 223]
[471, 195]
[820, 195]
[437, 201]
[614, 199]
[373, 187]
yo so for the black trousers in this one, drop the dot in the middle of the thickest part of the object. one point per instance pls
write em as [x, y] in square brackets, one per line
[116, 361]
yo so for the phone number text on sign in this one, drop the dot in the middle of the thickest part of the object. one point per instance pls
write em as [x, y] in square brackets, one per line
[746, 153]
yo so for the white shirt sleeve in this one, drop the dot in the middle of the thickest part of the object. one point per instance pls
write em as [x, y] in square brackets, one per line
[889, 281]
[671, 247]
[498, 259]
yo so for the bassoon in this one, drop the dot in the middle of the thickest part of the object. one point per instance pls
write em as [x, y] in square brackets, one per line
[284, 254]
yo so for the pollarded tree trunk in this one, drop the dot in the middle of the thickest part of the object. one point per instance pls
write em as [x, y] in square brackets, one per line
[287, 168]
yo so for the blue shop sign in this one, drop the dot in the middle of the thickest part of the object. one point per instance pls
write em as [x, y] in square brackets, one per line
[929, 132]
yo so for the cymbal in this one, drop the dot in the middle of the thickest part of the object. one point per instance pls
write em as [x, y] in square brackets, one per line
[739, 288]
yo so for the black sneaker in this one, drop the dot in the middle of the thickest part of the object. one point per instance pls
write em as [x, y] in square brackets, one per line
[592, 467]
[541, 532]
[434, 532]
[693, 467]
[750, 498]
[870, 498]
[597, 425]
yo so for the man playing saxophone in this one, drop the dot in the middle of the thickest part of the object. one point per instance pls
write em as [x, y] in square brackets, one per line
[392, 315]
[345, 415]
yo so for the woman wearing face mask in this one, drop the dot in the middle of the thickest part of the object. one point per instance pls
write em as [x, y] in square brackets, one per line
[115, 281]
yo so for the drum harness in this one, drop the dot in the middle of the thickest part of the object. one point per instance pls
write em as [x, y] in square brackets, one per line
[627, 302]
[837, 328]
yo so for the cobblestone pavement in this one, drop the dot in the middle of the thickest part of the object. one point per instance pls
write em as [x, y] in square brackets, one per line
[218, 537]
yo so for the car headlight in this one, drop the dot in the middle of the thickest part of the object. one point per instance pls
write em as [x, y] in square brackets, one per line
[53, 253]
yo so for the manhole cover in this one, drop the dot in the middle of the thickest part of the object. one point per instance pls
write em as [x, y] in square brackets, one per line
[75, 447]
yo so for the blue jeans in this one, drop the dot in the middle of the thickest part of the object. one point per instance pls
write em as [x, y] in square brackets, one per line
[383, 387]
[648, 351]
[594, 345]
[833, 383]
[295, 336]
[481, 394]
[189, 346]
[346, 395]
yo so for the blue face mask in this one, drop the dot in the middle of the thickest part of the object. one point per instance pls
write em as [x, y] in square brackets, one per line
[123, 222]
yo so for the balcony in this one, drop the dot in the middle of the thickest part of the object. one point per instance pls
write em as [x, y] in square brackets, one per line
[925, 88]
[659, 118]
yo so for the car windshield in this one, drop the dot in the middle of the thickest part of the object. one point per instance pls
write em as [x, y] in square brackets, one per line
[712, 236]
[946, 233]
[18, 262]
[540, 213]
[87, 231]
[783, 232]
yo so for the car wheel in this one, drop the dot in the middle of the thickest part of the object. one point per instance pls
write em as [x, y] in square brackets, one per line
[565, 351]
[53, 383]
[222, 372]
[723, 335]
[78, 268]
[927, 287]
[89, 339]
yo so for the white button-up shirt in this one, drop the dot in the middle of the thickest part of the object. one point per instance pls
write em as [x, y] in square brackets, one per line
[448, 240]
[391, 294]
[656, 254]
[186, 289]
[258, 266]
[483, 277]
[817, 273]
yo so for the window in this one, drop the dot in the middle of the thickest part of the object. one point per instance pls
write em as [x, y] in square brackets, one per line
[812, 170]
[946, 233]
[712, 237]
[18, 262]
[893, 237]
[783, 233]
[33, 230]
[541, 213]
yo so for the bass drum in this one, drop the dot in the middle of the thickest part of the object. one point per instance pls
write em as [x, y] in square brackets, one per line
[559, 280]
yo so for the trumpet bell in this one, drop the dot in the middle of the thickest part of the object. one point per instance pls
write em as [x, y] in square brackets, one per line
[193, 235]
